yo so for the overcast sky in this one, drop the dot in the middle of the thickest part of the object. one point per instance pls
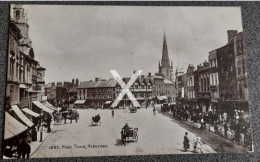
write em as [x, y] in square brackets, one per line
[87, 41]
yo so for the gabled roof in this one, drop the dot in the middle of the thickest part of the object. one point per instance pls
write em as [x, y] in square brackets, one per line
[148, 80]
[73, 89]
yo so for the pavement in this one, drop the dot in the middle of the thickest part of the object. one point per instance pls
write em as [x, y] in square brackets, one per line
[216, 142]
[157, 134]
[36, 144]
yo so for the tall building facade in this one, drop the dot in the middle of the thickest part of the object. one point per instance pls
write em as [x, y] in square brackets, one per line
[204, 98]
[24, 71]
[14, 67]
[165, 67]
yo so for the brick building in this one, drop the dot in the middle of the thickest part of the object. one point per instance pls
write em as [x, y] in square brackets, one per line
[214, 79]
[97, 93]
[233, 90]
[204, 97]
[192, 83]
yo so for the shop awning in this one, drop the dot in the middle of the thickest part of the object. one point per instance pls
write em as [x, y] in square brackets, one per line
[50, 107]
[172, 103]
[79, 101]
[164, 97]
[20, 114]
[159, 98]
[41, 106]
[108, 102]
[30, 112]
[23, 86]
[12, 127]
[49, 104]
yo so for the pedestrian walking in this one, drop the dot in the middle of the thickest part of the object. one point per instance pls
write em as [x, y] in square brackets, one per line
[26, 149]
[154, 111]
[197, 145]
[186, 142]
[49, 123]
[19, 148]
[225, 129]
[113, 113]
[34, 134]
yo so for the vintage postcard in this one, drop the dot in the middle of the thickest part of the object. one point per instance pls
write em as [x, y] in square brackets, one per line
[125, 80]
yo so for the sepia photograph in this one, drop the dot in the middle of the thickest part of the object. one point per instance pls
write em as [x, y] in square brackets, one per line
[93, 80]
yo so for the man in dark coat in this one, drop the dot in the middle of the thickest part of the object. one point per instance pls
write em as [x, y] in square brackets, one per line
[48, 123]
[26, 149]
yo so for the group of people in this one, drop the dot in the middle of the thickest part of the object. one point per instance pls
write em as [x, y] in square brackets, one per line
[19, 147]
[197, 144]
[220, 124]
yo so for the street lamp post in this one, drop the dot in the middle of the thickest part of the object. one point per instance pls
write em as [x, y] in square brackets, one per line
[41, 127]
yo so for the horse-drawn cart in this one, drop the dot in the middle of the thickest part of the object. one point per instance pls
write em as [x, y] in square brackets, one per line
[71, 114]
[129, 134]
[96, 120]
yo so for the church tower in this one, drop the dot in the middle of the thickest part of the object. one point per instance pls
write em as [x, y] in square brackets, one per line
[20, 19]
[165, 68]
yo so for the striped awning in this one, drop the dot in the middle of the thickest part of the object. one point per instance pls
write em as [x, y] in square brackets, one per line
[50, 107]
[43, 107]
[30, 112]
[12, 127]
[20, 114]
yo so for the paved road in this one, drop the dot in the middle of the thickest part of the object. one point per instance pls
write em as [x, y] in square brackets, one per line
[157, 134]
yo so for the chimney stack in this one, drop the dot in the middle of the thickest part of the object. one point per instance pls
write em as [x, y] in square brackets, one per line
[73, 81]
[77, 82]
[231, 34]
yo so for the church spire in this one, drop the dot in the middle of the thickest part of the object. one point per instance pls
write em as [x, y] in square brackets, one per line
[165, 58]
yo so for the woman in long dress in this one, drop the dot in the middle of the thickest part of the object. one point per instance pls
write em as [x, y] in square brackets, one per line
[197, 144]
[186, 142]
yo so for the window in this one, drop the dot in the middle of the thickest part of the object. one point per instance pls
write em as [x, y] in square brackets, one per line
[240, 92]
[216, 78]
[17, 14]
[212, 80]
[17, 69]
